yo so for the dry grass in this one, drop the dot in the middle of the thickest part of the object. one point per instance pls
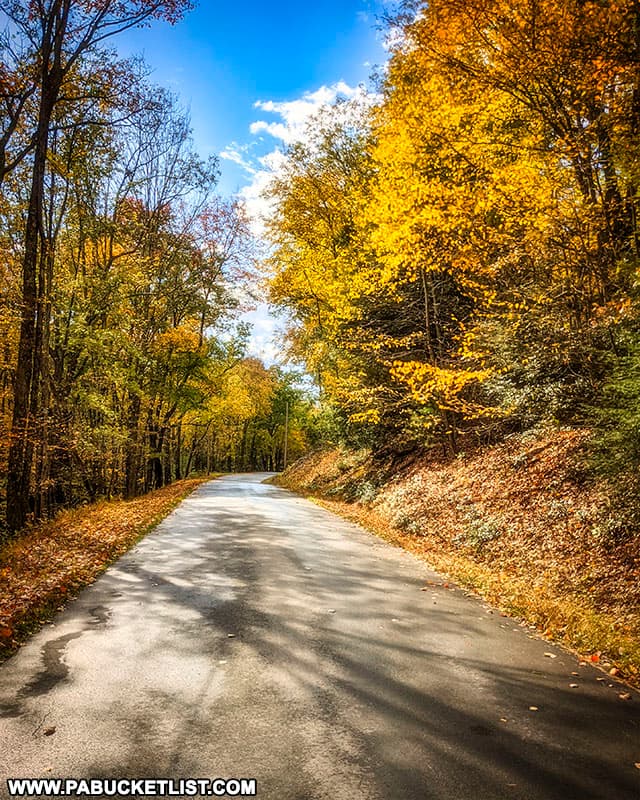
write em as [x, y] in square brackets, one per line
[517, 523]
[51, 562]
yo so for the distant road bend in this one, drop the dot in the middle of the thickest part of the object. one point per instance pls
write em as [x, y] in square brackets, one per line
[255, 635]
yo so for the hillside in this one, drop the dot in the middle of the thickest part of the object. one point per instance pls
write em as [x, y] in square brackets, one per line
[520, 523]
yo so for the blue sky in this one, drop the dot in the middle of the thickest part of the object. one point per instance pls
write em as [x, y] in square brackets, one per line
[223, 58]
[251, 74]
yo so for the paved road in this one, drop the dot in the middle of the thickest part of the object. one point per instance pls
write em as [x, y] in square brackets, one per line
[255, 635]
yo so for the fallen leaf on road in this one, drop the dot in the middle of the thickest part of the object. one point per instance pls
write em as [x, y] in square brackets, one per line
[49, 731]
[595, 658]
[550, 655]
[533, 708]
[573, 685]
[625, 696]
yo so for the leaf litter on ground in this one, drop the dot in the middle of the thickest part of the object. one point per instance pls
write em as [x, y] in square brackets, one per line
[51, 562]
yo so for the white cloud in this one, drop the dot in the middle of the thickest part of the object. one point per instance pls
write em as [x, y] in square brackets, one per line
[295, 114]
[278, 130]
[261, 165]
[257, 204]
[262, 343]
[291, 125]
[239, 154]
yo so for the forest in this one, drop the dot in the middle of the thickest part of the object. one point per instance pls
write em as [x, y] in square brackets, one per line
[458, 254]
[455, 253]
[397, 555]
[123, 363]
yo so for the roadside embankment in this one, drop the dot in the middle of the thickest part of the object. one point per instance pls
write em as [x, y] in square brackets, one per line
[520, 523]
[52, 561]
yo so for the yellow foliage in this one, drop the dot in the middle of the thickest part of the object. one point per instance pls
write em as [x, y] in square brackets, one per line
[485, 197]
[445, 388]
[178, 341]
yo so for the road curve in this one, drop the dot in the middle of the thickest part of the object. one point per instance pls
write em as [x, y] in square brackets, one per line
[255, 635]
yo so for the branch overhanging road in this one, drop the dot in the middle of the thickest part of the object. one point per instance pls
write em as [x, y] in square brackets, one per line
[255, 635]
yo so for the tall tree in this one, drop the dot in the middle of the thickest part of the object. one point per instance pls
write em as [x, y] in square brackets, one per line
[54, 36]
[482, 268]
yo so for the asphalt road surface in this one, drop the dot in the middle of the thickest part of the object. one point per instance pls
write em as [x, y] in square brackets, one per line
[255, 635]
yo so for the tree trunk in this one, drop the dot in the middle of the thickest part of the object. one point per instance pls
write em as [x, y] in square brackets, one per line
[34, 302]
[132, 459]
[178, 452]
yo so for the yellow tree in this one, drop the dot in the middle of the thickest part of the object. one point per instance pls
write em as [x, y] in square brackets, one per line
[573, 67]
[504, 172]
[322, 268]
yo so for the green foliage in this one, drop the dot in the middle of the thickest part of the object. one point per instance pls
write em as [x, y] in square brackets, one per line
[615, 447]
[144, 264]
[617, 418]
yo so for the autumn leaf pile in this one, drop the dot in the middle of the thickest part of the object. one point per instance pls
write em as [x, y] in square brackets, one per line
[49, 564]
[518, 522]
